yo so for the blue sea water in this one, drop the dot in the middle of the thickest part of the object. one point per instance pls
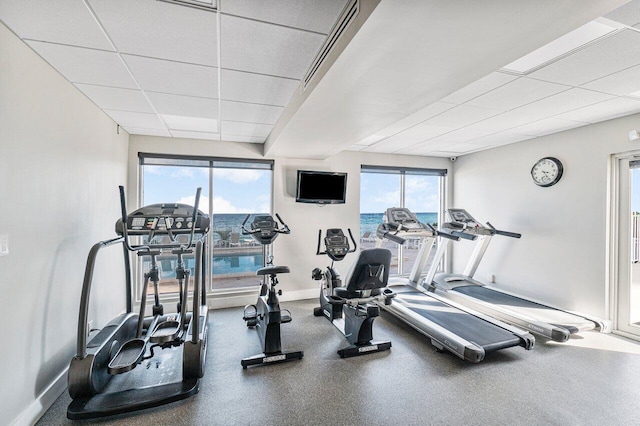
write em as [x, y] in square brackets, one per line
[368, 221]
[230, 264]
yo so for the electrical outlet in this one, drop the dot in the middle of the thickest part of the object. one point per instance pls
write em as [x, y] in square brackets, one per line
[89, 327]
[4, 245]
[492, 278]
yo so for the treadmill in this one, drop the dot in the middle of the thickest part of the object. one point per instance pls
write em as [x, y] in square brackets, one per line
[547, 321]
[464, 332]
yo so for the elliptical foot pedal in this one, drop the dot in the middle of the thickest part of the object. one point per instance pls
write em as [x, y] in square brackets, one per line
[357, 350]
[129, 355]
[274, 358]
[166, 331]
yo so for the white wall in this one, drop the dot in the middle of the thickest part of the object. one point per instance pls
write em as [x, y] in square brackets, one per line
[561, 258]
[296, 250]
[60, 163]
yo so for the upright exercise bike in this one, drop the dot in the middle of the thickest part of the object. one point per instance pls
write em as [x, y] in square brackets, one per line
[96, 381]
[365, 283]
[266, 315]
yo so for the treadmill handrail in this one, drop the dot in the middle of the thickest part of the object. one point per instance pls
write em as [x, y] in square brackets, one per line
[504, 233]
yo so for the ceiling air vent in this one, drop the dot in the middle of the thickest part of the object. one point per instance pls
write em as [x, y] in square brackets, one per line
[346, 18]
[198, 4]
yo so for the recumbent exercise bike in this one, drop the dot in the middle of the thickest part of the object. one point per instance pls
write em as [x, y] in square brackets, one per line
[366, 282]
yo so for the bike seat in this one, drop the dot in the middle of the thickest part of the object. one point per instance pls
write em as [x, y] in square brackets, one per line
[273, 270]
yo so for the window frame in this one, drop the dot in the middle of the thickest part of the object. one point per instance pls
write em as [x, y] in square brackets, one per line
[413, 171]
[158, 159]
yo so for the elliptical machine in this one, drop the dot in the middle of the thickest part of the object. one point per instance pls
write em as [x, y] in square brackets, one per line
[366, 282]
[266, 315]
[123, 343]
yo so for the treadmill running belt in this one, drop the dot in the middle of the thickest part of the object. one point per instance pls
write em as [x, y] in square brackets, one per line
[467, 326]
[534, 310]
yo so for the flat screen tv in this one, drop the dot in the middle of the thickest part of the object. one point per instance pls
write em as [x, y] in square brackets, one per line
[321, 187]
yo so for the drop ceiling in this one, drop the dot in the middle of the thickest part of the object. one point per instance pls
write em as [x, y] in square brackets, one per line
[418, 77]
[167, 69]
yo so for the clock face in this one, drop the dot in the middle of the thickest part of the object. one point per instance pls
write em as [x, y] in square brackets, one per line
[547, 171]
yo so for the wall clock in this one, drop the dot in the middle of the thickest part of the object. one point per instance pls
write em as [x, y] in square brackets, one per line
[547, 171]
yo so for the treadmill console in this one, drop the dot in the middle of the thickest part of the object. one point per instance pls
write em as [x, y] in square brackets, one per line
[164, 219]
[462, 216]
[403, 219]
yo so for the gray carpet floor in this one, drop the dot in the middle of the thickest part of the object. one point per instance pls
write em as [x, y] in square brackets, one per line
[594, 379]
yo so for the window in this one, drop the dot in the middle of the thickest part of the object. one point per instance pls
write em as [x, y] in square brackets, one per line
[231, 189]
[419, 190]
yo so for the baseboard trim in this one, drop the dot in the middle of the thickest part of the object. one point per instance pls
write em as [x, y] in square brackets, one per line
[43, 402]
[239, 300]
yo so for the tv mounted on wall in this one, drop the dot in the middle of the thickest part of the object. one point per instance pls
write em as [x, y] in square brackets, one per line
[321, 187]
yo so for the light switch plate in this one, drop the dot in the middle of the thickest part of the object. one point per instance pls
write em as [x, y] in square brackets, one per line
[4, 245]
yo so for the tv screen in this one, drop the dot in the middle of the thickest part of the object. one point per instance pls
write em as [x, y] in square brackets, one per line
[321, 187]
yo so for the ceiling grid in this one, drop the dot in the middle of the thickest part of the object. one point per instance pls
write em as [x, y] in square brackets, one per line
[164, 69]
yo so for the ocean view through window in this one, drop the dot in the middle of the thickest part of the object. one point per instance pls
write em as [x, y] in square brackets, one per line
[384, 187]
[231, 190]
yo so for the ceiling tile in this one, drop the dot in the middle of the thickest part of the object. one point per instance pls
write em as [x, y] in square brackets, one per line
[628, 14]
[424, 131]
[245, 129]
[501, 138]
[195, 135]
[311, 15]
[607, 56]
[601, 111]
[114, 98]
[254, 46]
[80, 65]
[517, 93]
[174, 77]
[255, 88]
[188, 106]
[190, 124]
[621, 83]
[562, 102]
[406, 124]
[250, 113]
[546, 126]
[61, 21]
[467, 148]
[148, 132]
[461, 116]
[248, 139]
[136, 119]
[160, 29]
[479, 87]
[461, 135]
[503, 121]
